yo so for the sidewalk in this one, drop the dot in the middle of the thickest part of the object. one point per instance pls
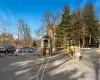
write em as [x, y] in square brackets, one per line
[68, 69]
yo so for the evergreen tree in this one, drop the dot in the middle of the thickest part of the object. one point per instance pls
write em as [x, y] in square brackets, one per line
[82, 26]
[76, 26]
[90, 21]
[62, 30]
[65, 22]
[59, 37]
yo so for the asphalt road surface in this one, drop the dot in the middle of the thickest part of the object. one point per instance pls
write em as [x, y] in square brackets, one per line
[31, 66]
[24, 66]
[21, 67]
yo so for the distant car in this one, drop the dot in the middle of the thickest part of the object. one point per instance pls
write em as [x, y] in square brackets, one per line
[19, 50]
[25, 50]
[7, 49]
[31, 49]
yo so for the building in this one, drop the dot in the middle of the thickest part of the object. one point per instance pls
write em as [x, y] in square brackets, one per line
[51, 32]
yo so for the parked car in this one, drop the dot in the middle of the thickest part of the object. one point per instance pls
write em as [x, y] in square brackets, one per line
[31, 49]
[7, 49]
[19, 50]
[25, 50]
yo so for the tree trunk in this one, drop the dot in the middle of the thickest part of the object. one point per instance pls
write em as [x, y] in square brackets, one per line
[83, 41]
[90, 39]
[79, 42]
[3, 39]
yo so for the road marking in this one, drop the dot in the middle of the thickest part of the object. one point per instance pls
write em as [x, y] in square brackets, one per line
[40, 69]
[44, 68]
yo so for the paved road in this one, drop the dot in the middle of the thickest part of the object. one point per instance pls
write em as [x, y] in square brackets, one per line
[92, 60]
[59, 67]
[90, 57]
[22, 67]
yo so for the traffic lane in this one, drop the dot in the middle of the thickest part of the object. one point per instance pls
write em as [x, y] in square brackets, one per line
[22, 67]
[9, 59]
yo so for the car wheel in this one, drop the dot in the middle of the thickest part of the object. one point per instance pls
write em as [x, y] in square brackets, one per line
[6, 52]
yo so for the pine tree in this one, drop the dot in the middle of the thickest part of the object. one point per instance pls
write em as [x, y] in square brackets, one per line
[82, 26]
[65, 22]
[76, 26]
[62, 31]
[90, 21]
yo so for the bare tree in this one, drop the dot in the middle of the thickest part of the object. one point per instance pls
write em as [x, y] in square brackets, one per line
[49, 20]
[41, 31]
[24, 32]
[49, 23]
[3, 31]
[27, 35]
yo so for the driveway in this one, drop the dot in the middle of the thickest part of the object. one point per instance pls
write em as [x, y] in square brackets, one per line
[30, 66]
